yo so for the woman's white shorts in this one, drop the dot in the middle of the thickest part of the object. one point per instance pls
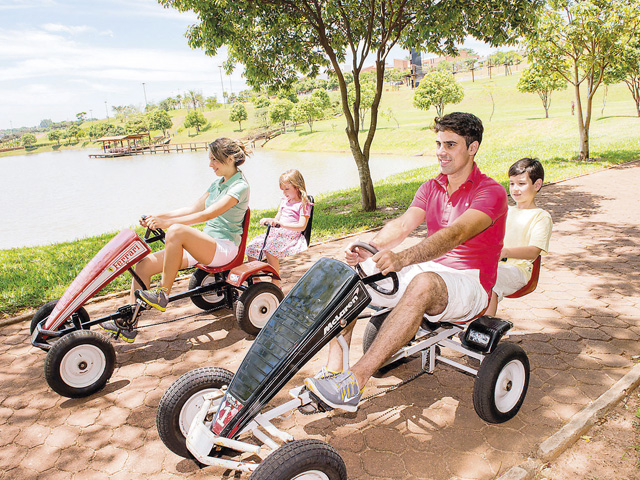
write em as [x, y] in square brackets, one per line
[226, 251]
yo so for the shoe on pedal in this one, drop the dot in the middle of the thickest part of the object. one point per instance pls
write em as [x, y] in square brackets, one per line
[128, 336]
[156, 298]
[339, 391]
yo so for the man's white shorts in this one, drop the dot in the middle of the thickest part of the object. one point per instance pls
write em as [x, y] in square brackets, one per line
[467, 297]
[226, 251]
[510, 279]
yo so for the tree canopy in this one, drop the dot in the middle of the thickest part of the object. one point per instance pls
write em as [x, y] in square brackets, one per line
[437, 89]
[238, 114]
[277, 40]
[627, 70]
[194, 119]
[160, 120]
[580, 39]
[538, 79]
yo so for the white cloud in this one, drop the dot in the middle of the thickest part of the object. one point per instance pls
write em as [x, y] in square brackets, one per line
[71, 29]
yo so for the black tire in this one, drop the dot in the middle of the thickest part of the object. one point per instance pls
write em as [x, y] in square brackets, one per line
[502, 382]
[79, 364]
[256, 305]
[45, 310]
[302, 459]
[209, 300]
[182, 400]
[371, 330]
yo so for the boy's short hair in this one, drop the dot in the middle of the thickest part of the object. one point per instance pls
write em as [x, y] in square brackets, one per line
[466, 125]
[530, 165]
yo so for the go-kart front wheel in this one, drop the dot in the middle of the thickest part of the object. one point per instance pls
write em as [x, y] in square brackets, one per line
[79, 364]
[182, 401]
[302, 460]
[256, 305]
[45, 310]
[502, 382]
[209, 300]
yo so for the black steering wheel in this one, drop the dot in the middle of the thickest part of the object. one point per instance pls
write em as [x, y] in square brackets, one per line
[376, 277]
[153, 234]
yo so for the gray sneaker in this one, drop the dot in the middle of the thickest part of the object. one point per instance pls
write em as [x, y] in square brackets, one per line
[128, 336]
[340, 391]
[156, 298]
[325, 373]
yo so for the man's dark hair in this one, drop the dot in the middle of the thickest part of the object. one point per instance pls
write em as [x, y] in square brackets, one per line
[466, 125]
[530, 165]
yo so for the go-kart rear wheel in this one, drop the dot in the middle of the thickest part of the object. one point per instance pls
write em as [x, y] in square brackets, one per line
[208, 300]
[45, 310]
[302, 460]
[79, 364]
[502, 382]
[256, 305]
[182, 401]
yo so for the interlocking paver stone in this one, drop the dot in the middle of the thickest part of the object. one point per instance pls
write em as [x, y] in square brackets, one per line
[580, 328]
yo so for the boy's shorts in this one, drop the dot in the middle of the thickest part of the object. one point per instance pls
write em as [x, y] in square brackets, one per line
[467, 297]
[226, 251]
[510, 279]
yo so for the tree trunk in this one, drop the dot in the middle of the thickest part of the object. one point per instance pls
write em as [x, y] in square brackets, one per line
[583, 132]
[366, 184]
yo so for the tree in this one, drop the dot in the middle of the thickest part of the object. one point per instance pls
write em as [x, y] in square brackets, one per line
[308, 109]
[81, 116]
[54, 135]
[160, 120]
[322, 95]
[261, 102]
[212, 103]
[280, 112]
[437, 89]
[366, 98]
[137, 124]
[580, 39]
[194, 119]
[46, 123]
[536, 79]
[627, 69]
[29, 139]
[276, 40]
[238, 114]
[73, 131]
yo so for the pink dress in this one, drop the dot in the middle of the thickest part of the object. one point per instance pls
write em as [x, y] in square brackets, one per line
[282, 242]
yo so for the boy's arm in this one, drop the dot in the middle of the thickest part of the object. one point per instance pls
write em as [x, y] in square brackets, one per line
[522, 253]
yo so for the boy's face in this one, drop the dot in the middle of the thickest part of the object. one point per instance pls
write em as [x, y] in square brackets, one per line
[522, 189]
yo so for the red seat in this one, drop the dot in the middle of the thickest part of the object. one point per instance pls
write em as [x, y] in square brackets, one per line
[533, 282]
[239, 258]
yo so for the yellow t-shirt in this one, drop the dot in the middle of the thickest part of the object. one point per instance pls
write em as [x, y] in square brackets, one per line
[527, 227]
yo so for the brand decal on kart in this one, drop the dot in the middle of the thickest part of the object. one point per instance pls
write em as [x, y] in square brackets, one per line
[339, 317]
[128, 256]
[229, 409]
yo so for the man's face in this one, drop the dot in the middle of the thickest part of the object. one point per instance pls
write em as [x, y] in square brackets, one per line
[453, 153]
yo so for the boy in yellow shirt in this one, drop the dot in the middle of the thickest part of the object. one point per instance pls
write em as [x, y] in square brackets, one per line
[528, 231]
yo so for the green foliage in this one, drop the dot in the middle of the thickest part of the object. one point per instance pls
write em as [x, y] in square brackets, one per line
[580, 39]
[536, 78]
[322, 95]
[73, 131]
[238, 114]
[55, 135]
[308, 109]
[194, 119]
[437, 89]
[365, 102]
[627, 69]
[160, 120]
[262, 102]
[212, 103]
[29, 139]
[280, 111]
[137, 124]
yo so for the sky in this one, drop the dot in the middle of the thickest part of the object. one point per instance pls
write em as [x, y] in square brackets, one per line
[62, 57]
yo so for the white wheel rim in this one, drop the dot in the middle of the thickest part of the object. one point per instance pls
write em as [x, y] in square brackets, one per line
[82, 366]
[212, 297]
[311, 475]
[192, 406]
[261, 308]
[509, 386]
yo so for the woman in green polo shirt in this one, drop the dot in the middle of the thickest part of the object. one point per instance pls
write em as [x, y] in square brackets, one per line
[222, 207]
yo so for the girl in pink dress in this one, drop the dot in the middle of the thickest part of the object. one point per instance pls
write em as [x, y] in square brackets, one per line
[285, 237]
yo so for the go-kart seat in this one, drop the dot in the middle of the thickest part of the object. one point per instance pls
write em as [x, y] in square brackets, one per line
[239, 258]
[307, 230]
[532, 283]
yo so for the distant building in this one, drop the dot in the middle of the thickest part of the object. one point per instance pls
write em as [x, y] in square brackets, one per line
[434, 61]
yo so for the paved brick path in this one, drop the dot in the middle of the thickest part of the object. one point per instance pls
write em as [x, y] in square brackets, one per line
[581, 329]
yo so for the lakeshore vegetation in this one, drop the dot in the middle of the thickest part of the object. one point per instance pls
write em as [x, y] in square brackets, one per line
[515, 126]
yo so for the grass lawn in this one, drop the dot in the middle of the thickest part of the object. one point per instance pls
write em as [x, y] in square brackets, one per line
[514, 127]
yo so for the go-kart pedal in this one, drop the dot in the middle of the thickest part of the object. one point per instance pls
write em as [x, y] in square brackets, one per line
[315, 405]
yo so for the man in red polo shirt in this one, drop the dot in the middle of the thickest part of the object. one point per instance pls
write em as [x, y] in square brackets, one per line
[448, 275]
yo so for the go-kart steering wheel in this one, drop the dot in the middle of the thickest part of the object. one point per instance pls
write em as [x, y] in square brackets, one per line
[376, 277]
[153, 234]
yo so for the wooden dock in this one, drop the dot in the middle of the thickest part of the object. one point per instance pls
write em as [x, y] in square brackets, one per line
[149, 149]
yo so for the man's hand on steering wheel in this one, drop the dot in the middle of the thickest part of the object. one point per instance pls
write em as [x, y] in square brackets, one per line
[354, 255]
[388, 261]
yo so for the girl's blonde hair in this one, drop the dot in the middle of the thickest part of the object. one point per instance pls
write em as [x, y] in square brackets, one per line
[294, 177]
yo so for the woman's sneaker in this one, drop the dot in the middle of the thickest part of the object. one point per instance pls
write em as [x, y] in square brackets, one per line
[128, 336]
[156, 298]
[340, 391]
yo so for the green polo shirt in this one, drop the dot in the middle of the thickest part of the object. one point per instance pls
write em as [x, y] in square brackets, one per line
[229, 224]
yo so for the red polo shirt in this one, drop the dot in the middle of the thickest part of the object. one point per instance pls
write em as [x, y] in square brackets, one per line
[478, 192]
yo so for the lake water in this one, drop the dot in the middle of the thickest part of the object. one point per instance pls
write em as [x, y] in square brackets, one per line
[60, 196]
